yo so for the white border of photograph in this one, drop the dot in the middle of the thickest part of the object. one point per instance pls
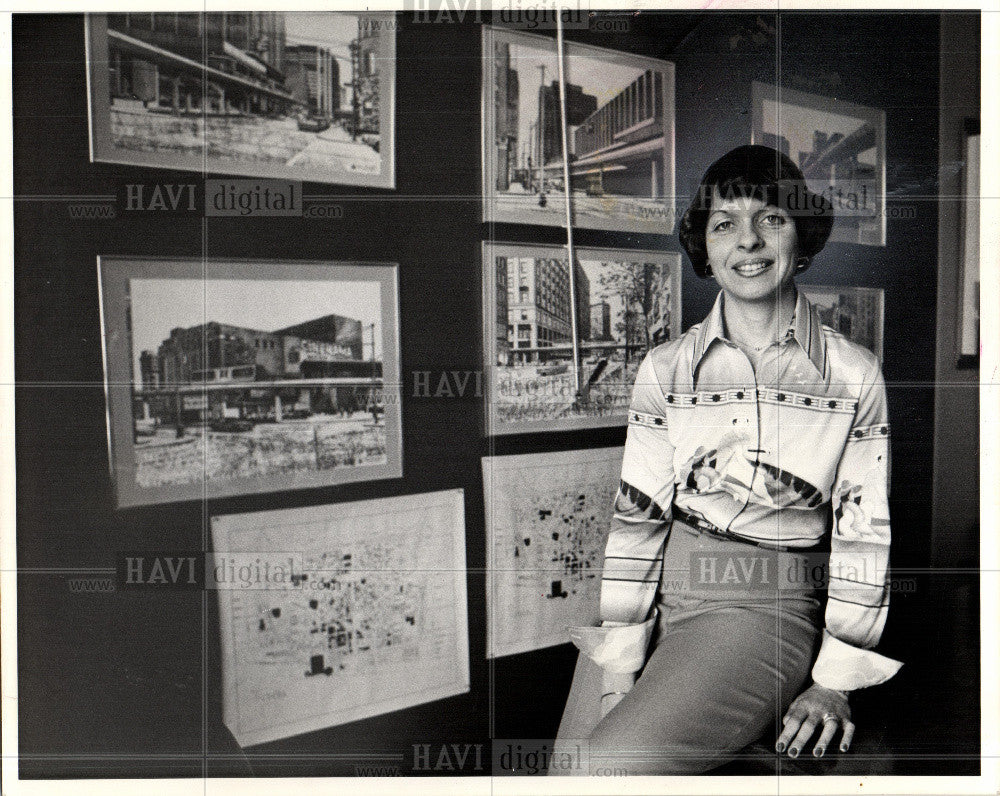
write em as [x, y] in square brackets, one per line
[103, 149]
[115, 274]
[794, 108]
[503, 476]
[495, 425]
[443, 545]
[876, 293]
[613, 212]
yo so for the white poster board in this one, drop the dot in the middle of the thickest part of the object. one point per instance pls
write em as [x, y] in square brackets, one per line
[547, 521]
[335, 613]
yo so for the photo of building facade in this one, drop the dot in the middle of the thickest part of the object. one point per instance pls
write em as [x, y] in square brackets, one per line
[538, 306]
[600, 321]
[222, 354]
[855, 312]
[619, 147]
[506, 114]
[221, 63]
[579, 105]
[313, 78]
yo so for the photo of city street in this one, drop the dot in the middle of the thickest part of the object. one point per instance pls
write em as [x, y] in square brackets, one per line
[240, 379]
[624, 304]
[268, 93]
[620, 131]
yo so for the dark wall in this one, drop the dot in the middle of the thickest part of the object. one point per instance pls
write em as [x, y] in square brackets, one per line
[123, 680]
[956, 445]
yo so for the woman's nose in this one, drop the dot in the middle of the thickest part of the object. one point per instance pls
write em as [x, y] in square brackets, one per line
[749, 238]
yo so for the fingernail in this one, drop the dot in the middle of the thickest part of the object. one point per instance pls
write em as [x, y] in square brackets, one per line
[779, 747]
[843, 747]
[818, 751]
[793, 752]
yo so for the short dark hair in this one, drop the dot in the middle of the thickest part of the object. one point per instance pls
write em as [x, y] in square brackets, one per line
[760, 172]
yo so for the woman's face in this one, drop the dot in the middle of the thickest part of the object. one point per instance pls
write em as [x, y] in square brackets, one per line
[752, 247]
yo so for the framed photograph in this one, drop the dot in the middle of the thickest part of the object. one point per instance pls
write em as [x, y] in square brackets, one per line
[840, 148]
[365, 615]
[296, 95]
[968, 356]
[856, 312]
[620, 134]
[619, 304]
[547, 522]
[227, 377]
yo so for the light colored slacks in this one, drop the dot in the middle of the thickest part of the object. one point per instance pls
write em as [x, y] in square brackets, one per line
[731, 653]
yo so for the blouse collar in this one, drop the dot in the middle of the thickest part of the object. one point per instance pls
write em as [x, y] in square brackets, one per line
[805, 329]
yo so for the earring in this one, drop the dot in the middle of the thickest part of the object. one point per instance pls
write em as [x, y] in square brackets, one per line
[708, 271]
[801, 264]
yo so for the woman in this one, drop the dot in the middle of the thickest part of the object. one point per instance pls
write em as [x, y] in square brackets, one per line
[757, 449]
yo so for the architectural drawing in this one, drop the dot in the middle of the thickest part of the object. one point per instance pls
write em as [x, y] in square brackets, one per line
[547, 519]
[366, 615]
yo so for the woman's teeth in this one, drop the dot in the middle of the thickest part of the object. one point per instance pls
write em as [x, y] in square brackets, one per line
[752, 268]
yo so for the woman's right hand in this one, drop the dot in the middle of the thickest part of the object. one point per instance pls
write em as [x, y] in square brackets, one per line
[816, 707]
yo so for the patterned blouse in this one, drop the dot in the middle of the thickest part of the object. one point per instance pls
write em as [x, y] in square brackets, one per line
[780, 456]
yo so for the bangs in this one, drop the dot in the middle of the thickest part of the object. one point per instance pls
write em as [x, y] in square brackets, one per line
[746, 186]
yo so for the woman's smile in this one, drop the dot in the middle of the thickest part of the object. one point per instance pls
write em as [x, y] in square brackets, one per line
[753, 267]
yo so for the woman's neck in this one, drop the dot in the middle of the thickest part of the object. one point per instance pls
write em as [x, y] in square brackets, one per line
[756, 325]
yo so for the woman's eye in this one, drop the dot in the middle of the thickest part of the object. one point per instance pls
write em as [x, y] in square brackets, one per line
[773, 220]
[722, 226]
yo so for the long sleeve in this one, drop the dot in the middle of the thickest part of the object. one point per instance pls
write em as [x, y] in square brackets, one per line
[634, 552]
[859, 556]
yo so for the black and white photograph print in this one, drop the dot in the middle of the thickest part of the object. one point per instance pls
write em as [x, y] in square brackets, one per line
[510, 384]
[253, 377]
[840, 148]
[296, 95]
[621, 304]
[856, 312]
[619, 132]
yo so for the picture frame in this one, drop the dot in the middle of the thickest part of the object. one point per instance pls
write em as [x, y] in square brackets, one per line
[534, 387]
[334, 613]
[840, 147]
[620, 119]
[255, 93]
[856, 312]
[227, 377]
[968, 288]
[547, 521]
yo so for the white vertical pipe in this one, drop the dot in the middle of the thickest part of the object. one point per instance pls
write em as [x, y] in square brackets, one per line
[569, 210]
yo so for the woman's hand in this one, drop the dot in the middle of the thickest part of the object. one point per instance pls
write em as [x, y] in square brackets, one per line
[816, 707]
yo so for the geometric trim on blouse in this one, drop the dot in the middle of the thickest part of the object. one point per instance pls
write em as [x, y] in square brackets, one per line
[739, 395]
[643, 419]
[881, 431]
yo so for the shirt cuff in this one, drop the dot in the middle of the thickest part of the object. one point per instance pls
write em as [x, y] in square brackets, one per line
[843, 667]
[616, 647]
